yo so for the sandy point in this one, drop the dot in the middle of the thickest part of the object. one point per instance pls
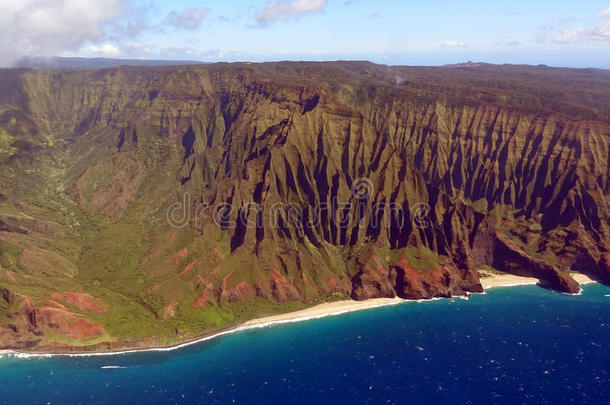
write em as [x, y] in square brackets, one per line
[510, 280]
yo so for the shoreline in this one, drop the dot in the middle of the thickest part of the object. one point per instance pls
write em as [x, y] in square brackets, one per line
[316, 312]
[510, 280]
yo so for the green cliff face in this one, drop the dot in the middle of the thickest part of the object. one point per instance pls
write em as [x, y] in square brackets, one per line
[150, 205]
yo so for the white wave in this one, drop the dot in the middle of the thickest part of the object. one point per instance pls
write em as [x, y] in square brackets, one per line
[20, 355]
[112, 367]
[427, 300]
[578, 293]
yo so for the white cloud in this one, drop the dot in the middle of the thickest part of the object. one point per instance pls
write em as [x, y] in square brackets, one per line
[570, 35]
[605, 13]
[453, 44]
[294, 9]
[189, 18]
[602, 32]
[106, 50]
[49, 27]
[561, 33]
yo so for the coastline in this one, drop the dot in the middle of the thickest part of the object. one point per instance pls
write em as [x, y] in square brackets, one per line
[318, 311]
[510, 280]
[315, 312]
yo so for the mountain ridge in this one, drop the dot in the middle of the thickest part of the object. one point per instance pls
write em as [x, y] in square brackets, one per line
[297, 182]
[76, 63]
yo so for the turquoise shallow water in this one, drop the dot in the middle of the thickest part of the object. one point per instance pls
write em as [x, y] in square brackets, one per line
[511, 345]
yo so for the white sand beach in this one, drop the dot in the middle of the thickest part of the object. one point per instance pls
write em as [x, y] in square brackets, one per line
[322, 310]
[510, 280]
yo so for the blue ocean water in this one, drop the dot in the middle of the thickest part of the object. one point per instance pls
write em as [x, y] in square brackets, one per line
[509, 346]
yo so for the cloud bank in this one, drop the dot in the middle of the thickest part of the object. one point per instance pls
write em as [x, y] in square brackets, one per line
[560, 33]
[188, 19]
[453, 44]
[50, 27]
[283, 9]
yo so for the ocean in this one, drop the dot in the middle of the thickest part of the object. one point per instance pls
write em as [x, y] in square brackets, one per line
[508, 346]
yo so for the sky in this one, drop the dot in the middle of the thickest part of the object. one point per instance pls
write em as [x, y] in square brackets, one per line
[431, 32]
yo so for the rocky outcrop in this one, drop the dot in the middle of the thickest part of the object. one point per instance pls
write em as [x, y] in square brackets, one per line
[401, 279]
[373, 280]
[28, 325]
[496, 249]
[512, 259]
